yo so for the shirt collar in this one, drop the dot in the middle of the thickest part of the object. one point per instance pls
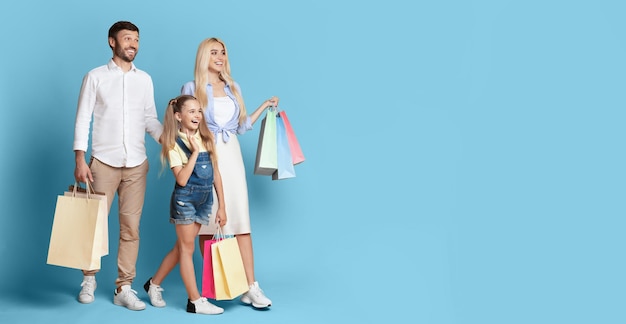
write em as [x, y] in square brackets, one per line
[113, 66]
[184, 135]
[226, 86]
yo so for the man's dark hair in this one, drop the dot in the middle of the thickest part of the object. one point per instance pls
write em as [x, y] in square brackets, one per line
[120, 25]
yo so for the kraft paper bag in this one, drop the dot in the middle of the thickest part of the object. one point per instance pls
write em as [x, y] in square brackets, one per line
[266, 154]
[285, 169]
[228, 271]
[77, 237]
[294, 146]
[82, 192]
[208, 282]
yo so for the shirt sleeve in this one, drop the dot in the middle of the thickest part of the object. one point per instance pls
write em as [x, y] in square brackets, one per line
[153, 125]
[247, 124]
[84, 112]
[188, 88]
[175, 157]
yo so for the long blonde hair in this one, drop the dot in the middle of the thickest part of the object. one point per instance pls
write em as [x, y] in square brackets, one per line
[171, 126]
[201, 76]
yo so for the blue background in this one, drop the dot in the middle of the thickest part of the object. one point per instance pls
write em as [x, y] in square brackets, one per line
[465, 159]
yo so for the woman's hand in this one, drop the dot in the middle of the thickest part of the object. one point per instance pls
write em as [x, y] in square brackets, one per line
[271, 102]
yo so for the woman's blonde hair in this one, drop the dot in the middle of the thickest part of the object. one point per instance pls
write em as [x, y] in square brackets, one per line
[171, 126]
[201, 75]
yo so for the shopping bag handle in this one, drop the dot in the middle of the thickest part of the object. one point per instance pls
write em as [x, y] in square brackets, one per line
[89, 190]
[219, 234]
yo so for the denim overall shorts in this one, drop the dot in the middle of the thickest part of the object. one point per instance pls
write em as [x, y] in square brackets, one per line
[192, 203]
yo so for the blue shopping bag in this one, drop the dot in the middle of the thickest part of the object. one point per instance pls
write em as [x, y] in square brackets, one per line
[285, 169]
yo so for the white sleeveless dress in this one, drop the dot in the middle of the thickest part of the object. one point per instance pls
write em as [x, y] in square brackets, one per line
[233, 172]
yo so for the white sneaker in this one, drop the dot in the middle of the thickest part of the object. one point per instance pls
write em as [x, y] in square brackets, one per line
[203, 306]
[256, 297]
[154, 292]
[86, 294]
[128, 298]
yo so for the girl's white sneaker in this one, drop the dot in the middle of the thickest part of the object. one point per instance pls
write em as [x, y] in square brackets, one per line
[203, 306]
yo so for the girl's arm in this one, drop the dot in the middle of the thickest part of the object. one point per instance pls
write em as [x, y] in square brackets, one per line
[271, 102]
[220, 215]
[182, 173]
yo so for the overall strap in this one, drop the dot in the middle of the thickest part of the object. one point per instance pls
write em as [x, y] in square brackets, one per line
[183, 146]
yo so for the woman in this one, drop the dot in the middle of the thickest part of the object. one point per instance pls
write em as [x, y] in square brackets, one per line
[226, 115]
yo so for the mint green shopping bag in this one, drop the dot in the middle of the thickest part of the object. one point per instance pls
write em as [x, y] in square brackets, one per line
[266, 154]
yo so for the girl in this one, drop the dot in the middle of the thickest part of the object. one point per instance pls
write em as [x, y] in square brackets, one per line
[226, 116]
[189, 147]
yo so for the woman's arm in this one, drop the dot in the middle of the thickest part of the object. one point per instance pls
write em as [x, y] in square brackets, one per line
[271, 102]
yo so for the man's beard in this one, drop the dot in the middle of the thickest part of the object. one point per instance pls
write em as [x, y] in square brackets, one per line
[121, 53]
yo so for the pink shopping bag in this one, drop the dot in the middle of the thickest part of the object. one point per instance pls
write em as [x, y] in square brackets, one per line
[208, 281]
[294, 145]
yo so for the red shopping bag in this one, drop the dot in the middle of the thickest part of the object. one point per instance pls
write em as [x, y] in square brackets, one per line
[294, 145]
[208, 281]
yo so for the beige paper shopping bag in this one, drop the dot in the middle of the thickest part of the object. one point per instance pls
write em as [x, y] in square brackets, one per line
[104, 227]
[229, 274]
[77, 235]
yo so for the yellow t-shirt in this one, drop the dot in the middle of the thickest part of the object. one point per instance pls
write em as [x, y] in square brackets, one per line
[177, 156]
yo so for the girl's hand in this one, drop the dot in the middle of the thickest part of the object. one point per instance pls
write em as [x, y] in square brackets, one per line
[220, 217]
[192, 141]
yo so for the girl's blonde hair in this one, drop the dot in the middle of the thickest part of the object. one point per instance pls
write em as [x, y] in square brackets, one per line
[201, 75]
[171, 126]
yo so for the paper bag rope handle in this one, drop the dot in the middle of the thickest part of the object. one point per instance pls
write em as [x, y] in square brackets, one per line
[89, 190]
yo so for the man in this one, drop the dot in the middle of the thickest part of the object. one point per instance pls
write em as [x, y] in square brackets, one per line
[120, 98]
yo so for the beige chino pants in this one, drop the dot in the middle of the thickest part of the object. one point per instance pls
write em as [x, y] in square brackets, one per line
[130, 185]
